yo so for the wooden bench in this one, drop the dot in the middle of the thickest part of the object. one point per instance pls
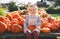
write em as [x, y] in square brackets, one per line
[51, 34]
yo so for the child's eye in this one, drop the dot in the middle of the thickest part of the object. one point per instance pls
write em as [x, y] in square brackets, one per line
[30, 10]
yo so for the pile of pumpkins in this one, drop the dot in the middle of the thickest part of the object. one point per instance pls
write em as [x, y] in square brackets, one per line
[14, 23]
[49, 25]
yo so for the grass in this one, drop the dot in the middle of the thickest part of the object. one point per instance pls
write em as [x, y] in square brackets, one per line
[57, 16]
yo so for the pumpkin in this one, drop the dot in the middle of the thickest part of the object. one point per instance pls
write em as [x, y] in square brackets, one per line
[8, 23]
[53, 27]
[32, 27]
[51, 20]
[2, 19]
[57, 23]
[21, 21]
[15, 15]
[9, 16]
[14, 21]
[3, 27]
[15, 28]
[44, 23]
[45, 30]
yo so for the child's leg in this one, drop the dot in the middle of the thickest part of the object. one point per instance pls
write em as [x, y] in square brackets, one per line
[28, 35]
[35, 34]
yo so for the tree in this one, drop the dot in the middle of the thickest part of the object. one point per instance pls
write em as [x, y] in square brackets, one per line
[57, 3]
[12, 7]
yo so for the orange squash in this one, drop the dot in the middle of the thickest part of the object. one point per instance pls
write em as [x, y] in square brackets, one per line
[3, 27]
[15, 28]
[2, 19]
[32, 27]
[45, 30]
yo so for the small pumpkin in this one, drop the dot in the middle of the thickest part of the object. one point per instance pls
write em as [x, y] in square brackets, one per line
[45, 30]
[32, 27]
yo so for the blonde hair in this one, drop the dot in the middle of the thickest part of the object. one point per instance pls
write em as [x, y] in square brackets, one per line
[32, 5]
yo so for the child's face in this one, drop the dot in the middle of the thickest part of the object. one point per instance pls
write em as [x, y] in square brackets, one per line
[32, 10]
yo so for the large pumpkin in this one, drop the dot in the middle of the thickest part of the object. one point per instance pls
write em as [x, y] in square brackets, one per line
[32, 27]
[9, 16]
[2, 19]
[15, 28]
[21, 22]
[8, 23]
[45, 30]
[3, 27]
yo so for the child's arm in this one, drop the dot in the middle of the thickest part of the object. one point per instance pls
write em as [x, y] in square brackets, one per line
[26, 23]
[38, 21]
[38, 24]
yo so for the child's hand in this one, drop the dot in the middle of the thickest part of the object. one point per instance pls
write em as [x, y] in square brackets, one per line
[25, 30]
[36, 30]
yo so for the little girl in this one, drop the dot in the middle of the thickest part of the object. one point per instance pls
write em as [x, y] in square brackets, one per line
[32, 20]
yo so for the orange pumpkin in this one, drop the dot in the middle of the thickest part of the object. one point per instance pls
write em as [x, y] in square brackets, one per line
[44, 23]
[3, 27]
[8, 23]
[51, 20]
[14, 21]
[57, 23]
[15, 28]
[2, 19]
[53, 27]
[15, 15]
[9, 16]
[32, 27]
[45, 30]
[21, 21]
